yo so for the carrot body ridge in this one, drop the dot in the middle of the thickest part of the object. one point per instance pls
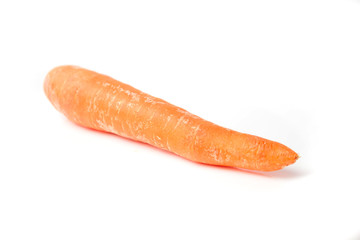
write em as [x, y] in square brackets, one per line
[100, 102]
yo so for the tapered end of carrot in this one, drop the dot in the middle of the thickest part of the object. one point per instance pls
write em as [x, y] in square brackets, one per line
[280, 157]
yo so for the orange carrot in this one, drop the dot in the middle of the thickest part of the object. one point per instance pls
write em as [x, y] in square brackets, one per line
[99, 102]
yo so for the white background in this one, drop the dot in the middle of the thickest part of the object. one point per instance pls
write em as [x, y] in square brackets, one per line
[281, 69]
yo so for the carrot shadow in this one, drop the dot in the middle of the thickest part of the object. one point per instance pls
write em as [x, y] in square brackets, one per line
[286, 173]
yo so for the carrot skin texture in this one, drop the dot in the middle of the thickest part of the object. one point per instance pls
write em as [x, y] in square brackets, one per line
[100, 102]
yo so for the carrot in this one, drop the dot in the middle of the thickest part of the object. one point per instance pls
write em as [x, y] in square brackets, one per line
[99, 102]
